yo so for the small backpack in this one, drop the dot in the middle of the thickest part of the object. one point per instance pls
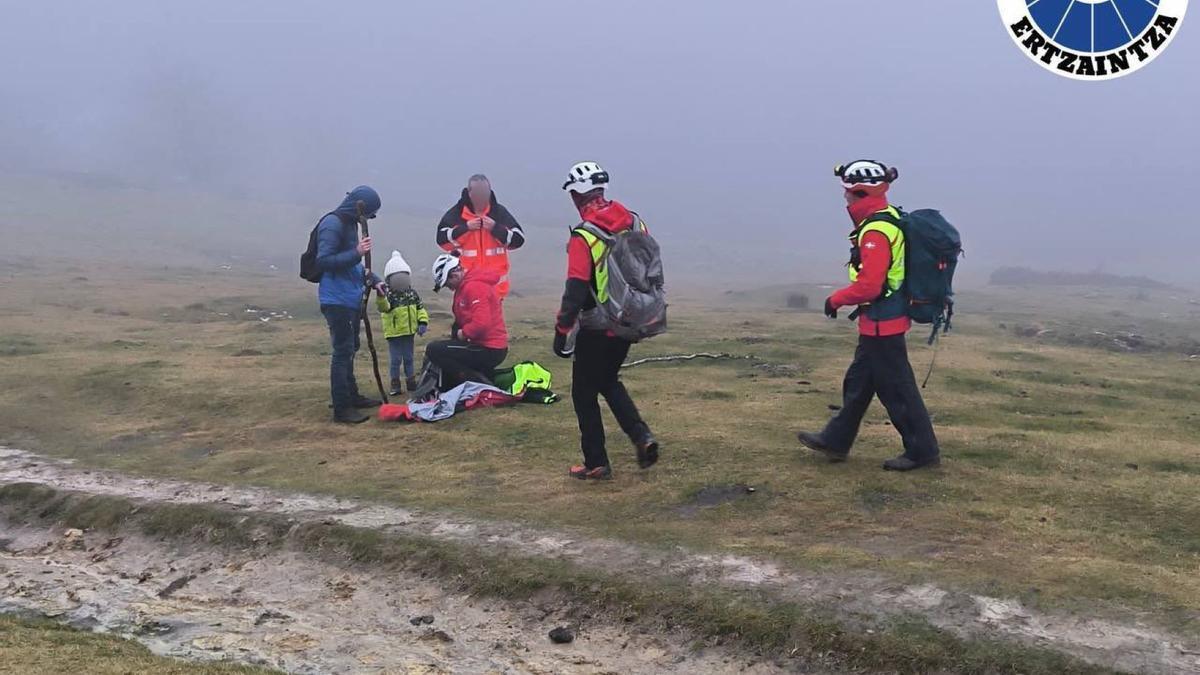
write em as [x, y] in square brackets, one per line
[634, 307]
[308, 259]
[933, 247]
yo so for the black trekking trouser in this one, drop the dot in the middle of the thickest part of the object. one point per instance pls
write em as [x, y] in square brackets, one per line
[881, 368]
[597, 372]
[463, 362]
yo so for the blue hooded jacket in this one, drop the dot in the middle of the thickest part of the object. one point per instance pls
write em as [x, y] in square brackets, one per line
[342, 274]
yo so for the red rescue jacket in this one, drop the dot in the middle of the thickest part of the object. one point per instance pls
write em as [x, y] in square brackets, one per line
[478, 312]
[876, 255]
[610, 216]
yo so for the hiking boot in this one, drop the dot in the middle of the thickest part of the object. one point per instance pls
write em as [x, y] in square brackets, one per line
[815, 443]
[647, 451]
[396, 389]
[598, 473]
[903, 463]
[350, 416]
[361, 401]
[411, 383]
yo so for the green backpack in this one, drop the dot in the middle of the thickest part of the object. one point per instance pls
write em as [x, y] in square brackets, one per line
[933, 249]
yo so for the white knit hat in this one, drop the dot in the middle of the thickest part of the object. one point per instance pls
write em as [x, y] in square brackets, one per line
[396, 264]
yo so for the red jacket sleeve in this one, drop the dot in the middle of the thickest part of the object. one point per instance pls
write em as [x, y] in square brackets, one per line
[478, 315]
[579, 259]
[579, 280]
[876, 252]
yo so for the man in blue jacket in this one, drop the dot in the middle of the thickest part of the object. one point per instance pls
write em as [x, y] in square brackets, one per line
[343, 280]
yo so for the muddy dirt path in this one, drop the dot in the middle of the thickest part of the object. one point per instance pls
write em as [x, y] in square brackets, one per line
[1133, 644]
[293, 613]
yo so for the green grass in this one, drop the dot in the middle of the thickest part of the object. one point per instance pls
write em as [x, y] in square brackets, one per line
[19, 345]
[42, 646]
[1029, 431]
[1192, 468]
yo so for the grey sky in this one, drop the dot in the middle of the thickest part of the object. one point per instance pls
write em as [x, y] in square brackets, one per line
[720, 122]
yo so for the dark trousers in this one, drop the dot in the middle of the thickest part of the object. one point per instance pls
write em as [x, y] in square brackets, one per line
[881, 368]
[462, 361]
[400, 351]
[597, 372]
[343, 334]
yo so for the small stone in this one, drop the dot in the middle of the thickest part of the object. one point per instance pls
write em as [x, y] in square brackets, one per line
[152, 627]
[271, 615]
[423, 619]
[73, 538]
[176, 585]
[562, 635]
[439, 635]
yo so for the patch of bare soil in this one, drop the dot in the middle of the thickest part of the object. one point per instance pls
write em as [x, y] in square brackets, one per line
[711, 496]
[293, 613]
[1118, 338]
[1134, 643]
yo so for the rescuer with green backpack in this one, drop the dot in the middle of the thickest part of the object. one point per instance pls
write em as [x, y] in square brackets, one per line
[901, 269]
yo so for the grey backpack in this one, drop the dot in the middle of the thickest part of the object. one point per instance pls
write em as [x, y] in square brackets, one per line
[630, 298]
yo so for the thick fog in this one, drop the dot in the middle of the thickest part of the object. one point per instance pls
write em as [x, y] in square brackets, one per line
[719, 121]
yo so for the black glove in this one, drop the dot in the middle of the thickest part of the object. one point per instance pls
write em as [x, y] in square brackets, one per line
[560, 346]
[830, 310]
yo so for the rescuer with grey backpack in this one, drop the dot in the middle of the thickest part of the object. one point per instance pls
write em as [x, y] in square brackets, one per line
[614, 297]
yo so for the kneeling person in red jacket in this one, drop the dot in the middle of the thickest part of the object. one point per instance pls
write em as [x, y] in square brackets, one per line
[880, 367]
[478, 341]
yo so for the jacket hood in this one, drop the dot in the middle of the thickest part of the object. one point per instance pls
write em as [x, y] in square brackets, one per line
[610, 216]
[861, 209]
[348, 210]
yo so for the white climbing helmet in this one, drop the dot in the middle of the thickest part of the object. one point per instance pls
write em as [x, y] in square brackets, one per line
[585, 177]
[865, 173]
[396, 264]
[442, 267]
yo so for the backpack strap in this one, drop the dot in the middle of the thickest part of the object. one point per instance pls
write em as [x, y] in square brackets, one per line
[594, 230]
[638, 225]
[884, 216]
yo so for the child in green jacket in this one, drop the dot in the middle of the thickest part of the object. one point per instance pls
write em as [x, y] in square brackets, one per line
[404, 317]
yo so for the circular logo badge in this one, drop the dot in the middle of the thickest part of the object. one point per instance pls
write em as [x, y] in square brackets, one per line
[1093, 39]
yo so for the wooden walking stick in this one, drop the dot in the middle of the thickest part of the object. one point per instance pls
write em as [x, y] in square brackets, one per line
[366, 318]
